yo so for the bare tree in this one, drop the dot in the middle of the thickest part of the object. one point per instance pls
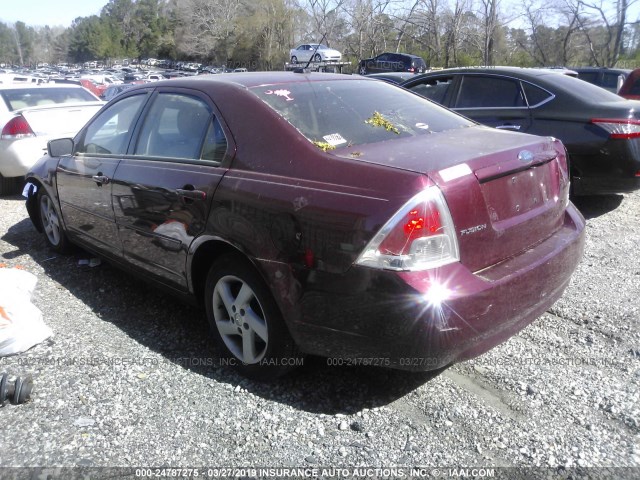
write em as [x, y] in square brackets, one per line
[602, 23]
[206, 25]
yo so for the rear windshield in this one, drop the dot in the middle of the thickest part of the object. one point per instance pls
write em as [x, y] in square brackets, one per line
[40, 96]
[340, 113]
[585, 90]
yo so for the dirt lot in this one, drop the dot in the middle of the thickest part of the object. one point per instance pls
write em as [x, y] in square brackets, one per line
[129, 379]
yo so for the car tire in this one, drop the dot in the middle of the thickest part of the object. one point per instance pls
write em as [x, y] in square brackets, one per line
[362, 70]
[294, 59]
[52, 224]
[246, 322]
[317, 58]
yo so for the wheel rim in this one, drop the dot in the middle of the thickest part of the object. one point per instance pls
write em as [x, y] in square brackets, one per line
[240, 319]
[363, 71]
[318, 58]
[50, 220]
[294, 60]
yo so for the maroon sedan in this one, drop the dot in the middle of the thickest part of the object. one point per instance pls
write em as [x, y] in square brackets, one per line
[318, 214]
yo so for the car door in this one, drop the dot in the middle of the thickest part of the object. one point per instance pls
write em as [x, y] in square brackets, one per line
[494, 100]
[303, 53]
[85, 178]
[162, 190]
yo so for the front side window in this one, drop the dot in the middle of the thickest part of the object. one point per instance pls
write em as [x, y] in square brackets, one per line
[339, 113]
[174, 127]
[109, 133]
[434, 88]
[478, 91]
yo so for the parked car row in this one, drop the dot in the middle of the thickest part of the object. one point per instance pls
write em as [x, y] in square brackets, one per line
[316, 213]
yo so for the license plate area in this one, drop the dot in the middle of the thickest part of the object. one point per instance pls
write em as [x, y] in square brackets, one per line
[518, 193]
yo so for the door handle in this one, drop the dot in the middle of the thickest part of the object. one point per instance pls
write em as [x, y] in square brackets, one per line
[192, 194]
[101, 179]
[509, 127]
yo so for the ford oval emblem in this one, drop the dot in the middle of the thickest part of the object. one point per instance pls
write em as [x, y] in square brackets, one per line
[525, 156]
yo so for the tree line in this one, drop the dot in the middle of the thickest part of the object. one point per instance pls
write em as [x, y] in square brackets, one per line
[257, 34]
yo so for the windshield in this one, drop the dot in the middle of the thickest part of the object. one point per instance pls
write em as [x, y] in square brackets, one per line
[340, 113]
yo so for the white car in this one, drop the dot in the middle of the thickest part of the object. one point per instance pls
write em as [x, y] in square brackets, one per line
[30, 116]
[319, 53]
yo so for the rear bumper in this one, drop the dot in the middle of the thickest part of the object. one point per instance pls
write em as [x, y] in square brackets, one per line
[18, 156]
[605, 185]
[384, 318]
[613, 169]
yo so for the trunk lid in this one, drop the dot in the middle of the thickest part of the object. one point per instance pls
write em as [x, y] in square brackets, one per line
[506, 191]
[60, 119]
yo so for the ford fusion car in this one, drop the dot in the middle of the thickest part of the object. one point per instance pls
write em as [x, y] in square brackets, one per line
[318, 214]
[600, 130]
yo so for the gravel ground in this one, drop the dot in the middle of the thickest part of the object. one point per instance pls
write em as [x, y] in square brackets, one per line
[127, 379]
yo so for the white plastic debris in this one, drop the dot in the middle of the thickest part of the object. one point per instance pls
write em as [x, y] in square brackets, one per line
[27, 187]
[21, 324]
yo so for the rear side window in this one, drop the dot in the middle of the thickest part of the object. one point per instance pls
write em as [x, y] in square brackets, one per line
[174, 127]
[489, 92]
[109, 133]
[40, 96]
[338, 113]
[535, 95]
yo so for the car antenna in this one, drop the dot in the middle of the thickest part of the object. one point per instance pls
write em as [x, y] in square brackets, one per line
[305, 69]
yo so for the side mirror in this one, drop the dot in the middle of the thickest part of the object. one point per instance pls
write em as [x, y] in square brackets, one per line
[61, 147]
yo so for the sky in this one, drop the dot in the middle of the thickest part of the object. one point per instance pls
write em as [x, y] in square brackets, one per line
[48, 12]
[63, 12]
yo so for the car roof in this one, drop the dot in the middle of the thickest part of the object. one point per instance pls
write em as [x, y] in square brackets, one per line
[255, 79]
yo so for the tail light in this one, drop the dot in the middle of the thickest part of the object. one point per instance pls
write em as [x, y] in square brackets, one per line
[17, 127]
[619, 128]
[419, 236]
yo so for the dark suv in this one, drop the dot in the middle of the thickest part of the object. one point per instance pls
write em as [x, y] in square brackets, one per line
[392, 62]
[608, 78]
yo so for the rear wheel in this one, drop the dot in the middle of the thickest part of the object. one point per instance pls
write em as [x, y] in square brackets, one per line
[294, 59]
[363, 70]
[246, 322]
[51, 224]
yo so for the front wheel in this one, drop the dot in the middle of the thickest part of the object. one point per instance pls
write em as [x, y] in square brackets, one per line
[317, 58]
[51, 224]
[363, 70]
[246, 322]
